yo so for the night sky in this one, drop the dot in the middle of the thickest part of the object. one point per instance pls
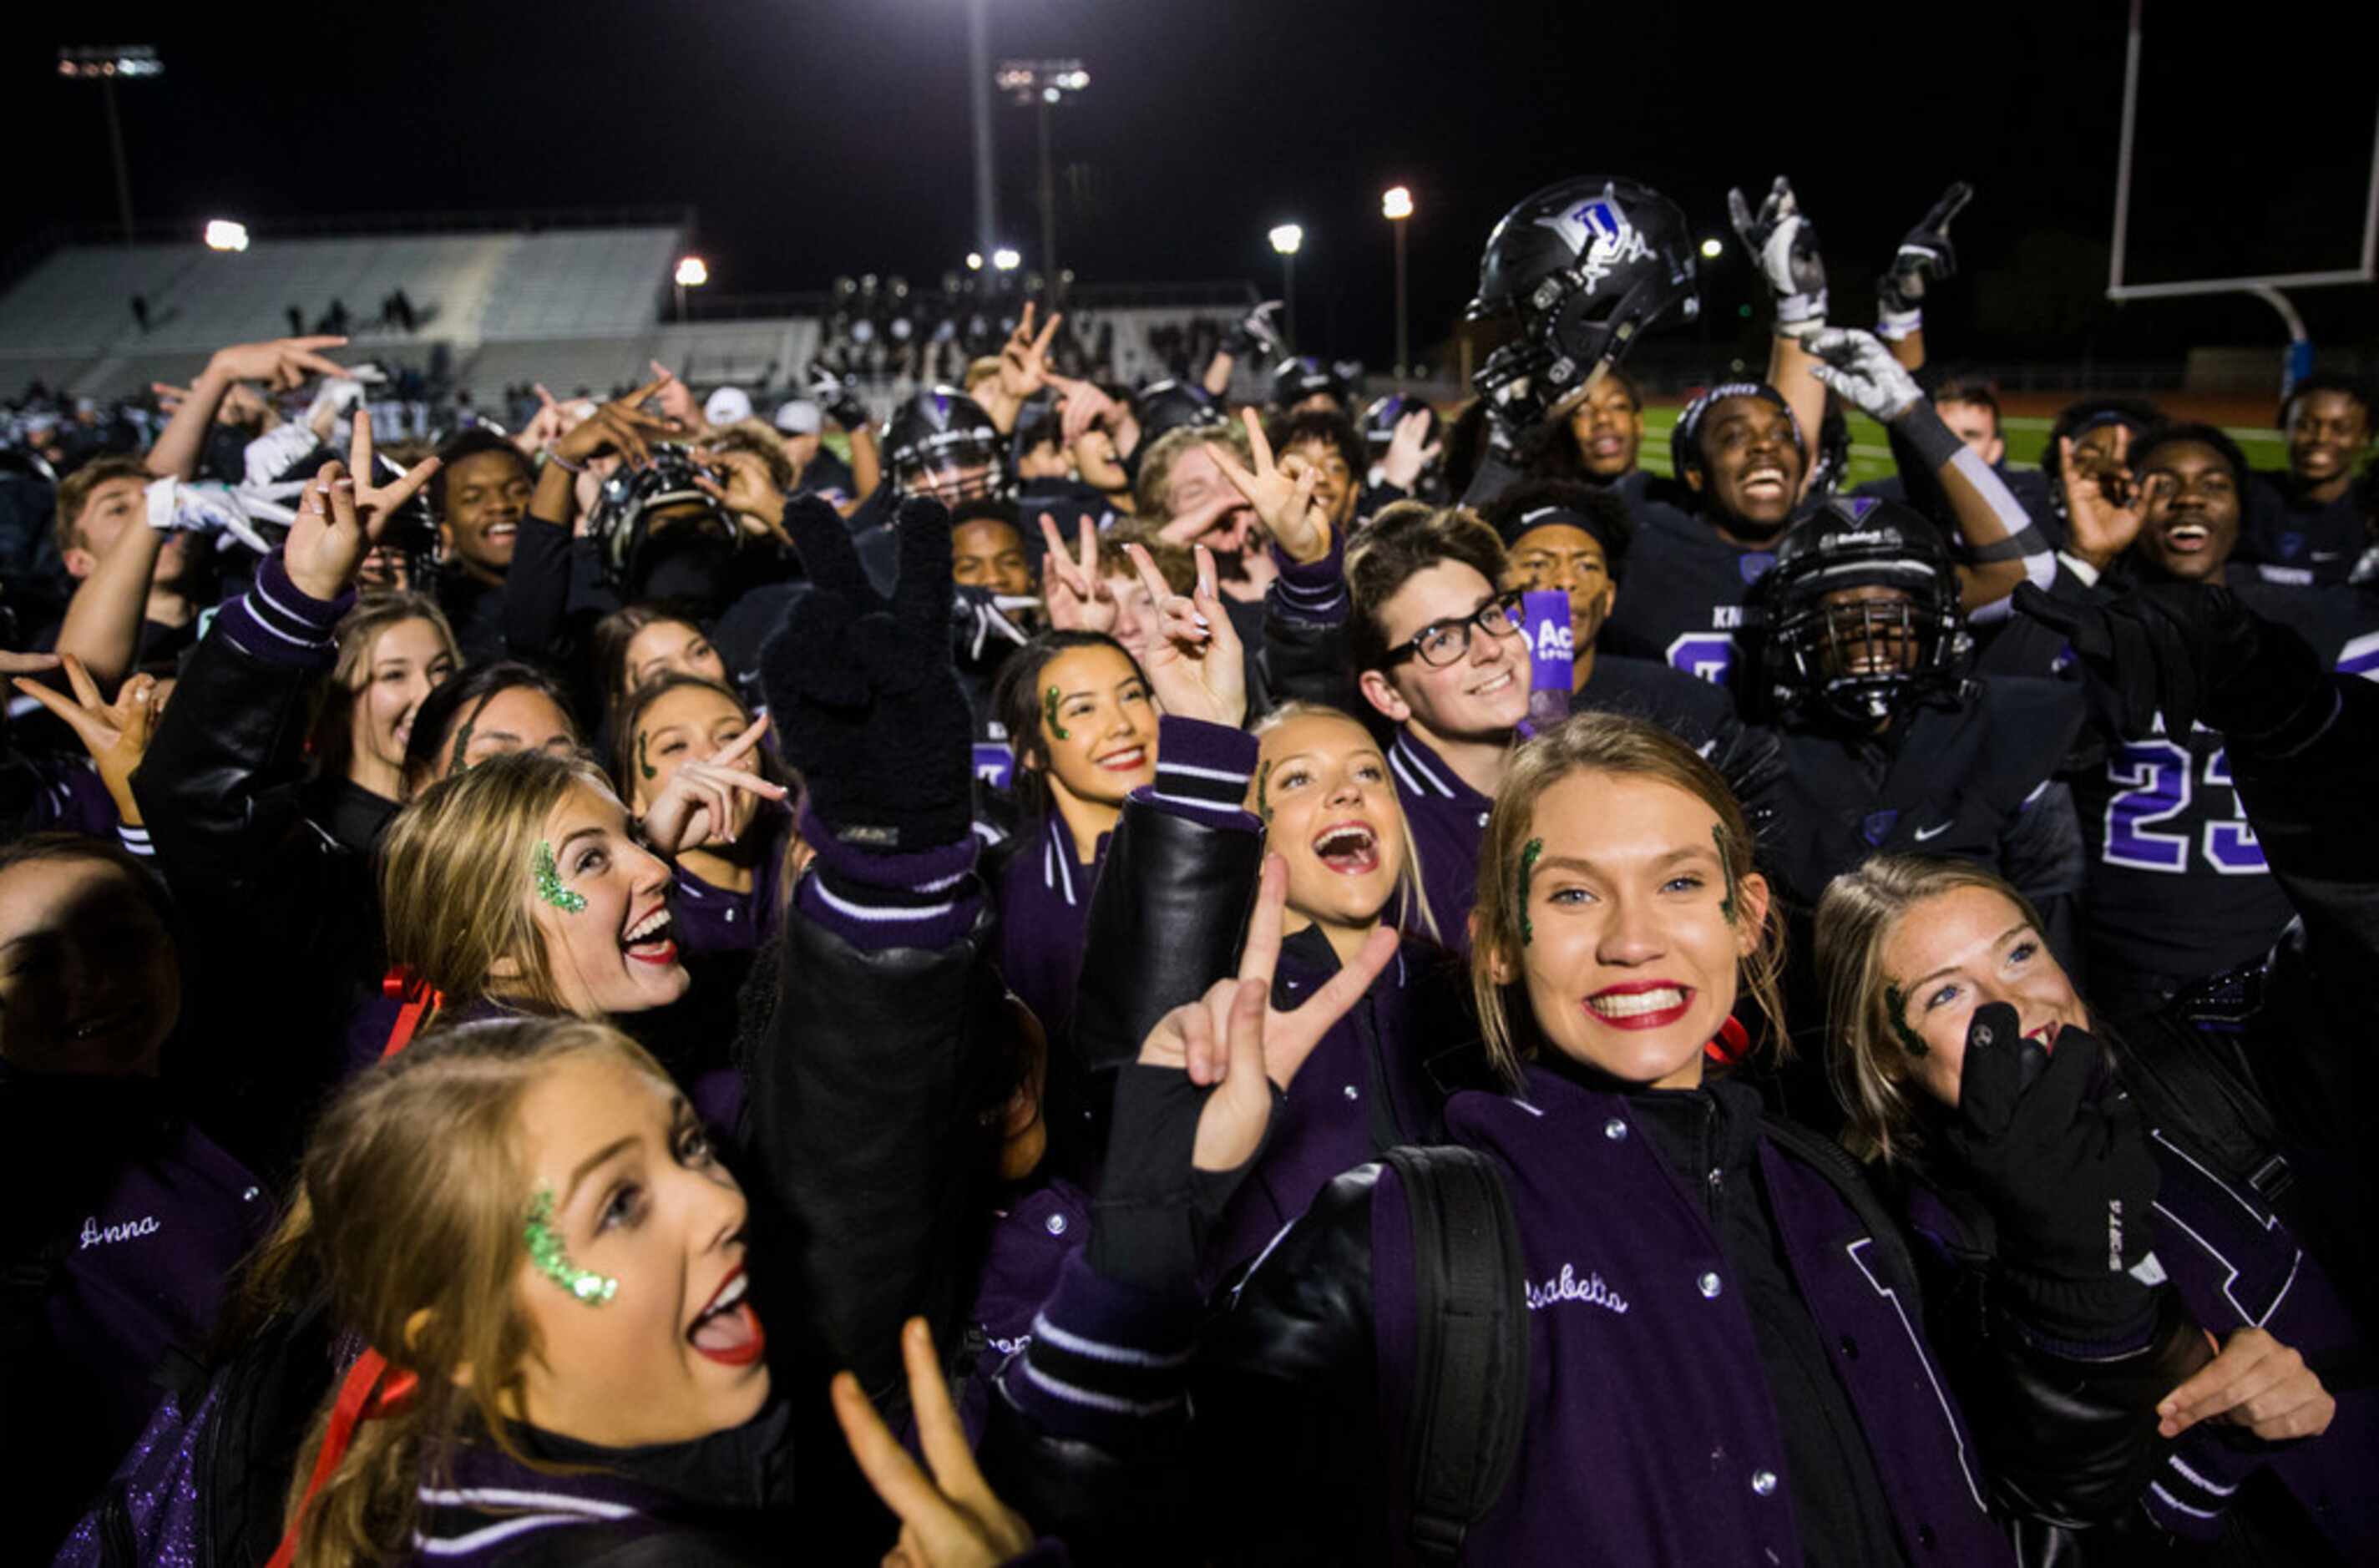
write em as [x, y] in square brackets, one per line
[830, 136]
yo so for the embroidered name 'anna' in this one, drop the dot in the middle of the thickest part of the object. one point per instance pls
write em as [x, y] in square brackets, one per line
[1567, 1287]
[94, 1234]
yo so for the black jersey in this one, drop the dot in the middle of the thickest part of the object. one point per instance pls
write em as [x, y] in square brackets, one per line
[1682, 599]
[2295, 541]
[2178, 888]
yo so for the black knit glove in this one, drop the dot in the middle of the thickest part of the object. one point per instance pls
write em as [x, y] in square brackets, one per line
[838, 396]
[861, 690]
[2191, 652]
[1155, 1208]
[2064, 1167]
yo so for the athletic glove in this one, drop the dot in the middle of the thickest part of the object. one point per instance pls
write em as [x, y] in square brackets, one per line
[1784, 245]
[1155, 1208]
[865, 702]
[1856, 366]
[1256, 334]
[2190, 652]
[1924, 255]
[838, 396]
[2060, 1159]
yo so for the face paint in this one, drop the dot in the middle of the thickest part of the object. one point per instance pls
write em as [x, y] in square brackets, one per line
[454, 763]
[1049, 706]
[1726, 907]
[1910, 1040]
[1528, 873]
[548, 881]
[552, 1259]
[647, 770]
[1263, 794]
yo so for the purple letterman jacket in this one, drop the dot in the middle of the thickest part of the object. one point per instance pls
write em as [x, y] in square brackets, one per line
[1045, 897]
[1449, 824]
[713, 920]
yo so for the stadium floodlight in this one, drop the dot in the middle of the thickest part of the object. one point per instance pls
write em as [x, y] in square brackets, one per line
[1043, 84]
[1395, 203]
[974, 261]
[222, 234]
[692, 271]
[1712, 249]
[1287, 238]
[107, 64]
[1006, 259]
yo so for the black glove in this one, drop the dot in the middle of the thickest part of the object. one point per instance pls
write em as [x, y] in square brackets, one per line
[2063, 1165]
[2191, 652]
[838, 396]
[1155, 1208]
[1255, 333]
[861, 690]
[1925, 256]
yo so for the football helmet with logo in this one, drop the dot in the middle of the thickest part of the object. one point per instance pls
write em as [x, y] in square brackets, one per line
[1580, 270]
[1861, 615]
[1294, 380]
[1168, 405]
[941, 444]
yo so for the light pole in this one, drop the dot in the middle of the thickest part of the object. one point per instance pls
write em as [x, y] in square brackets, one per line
[1043, 84]
[104, 64]
[1286, 238]
[692, 272]
[1395, 206]
[987, 198]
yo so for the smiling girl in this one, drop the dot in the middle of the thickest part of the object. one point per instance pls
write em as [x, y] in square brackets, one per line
[680, 739]
[393, 651]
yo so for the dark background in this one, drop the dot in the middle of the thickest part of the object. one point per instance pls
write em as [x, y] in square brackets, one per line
[832, 136]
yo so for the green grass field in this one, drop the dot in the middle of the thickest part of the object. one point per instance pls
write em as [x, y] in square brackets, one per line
[1871, 457]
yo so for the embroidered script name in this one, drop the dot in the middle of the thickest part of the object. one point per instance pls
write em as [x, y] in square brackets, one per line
[1567, 1287]
[95, 1235]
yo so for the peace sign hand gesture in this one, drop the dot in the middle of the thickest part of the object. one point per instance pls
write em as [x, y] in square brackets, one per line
[1024, 361]
[339, 521]
[697, 807]
[951, 1519]
[1192, 1113]
[1077, 596]
[1195, 664]
[115, 734]
[1284, 505]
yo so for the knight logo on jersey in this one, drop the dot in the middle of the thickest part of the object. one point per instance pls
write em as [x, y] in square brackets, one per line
[1599, 230]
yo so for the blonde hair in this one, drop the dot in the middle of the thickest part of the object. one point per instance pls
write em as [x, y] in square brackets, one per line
[1599, 742]
[1152, 492]
[418, 1159]
[455, 875]
[359, 631]
[1865, 1058]
[1410, 890]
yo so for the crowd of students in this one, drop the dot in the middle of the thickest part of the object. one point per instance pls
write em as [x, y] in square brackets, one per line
[1121, 978]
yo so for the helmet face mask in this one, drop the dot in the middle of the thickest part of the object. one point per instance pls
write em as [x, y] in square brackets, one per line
[637, 506]
[1581, 268]
[1863, 621]
[940, 444]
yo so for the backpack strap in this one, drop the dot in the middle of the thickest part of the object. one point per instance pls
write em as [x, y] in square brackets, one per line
[1470, 1372]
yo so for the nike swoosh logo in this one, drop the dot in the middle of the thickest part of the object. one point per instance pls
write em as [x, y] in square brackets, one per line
[1934, 832]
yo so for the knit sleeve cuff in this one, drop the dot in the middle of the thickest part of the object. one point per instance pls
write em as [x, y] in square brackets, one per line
[1313, 591]
[277, 622]
[1202, 769]
[924, 898]
[1106, 1358]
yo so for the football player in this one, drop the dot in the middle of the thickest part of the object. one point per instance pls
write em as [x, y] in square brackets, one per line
[2306, 526]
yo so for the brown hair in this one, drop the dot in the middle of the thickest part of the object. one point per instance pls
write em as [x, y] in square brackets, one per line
[419, 1159]
[1598, 743]
[76, 490]
[760, 439]
[1404, 540]
[1856, 917]
[1418, 916]
[455, 870]
[1174, 563]
[1152, 493]
[332, 738]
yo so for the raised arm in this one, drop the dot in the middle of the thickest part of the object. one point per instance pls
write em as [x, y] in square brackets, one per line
[282, 363]
[1784, 246]
[1926, 257]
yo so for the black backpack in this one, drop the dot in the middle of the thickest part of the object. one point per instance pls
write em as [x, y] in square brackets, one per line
[1470, 1364]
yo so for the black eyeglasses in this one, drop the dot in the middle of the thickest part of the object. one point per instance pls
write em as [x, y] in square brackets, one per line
[1441, 643]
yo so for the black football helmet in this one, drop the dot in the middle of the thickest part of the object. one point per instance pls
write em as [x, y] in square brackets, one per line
[1580, 268]
[1167, 405]
[934, 440]
[1859, 660]
[1295, 380]
[631, 503]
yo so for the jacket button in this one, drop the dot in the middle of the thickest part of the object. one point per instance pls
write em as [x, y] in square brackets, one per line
[250, 1195]
[1615, 1129]
[1056, 1224]
[1850, 1347]
[1350, 1092]
[1709, 1286]
[1763, 1483]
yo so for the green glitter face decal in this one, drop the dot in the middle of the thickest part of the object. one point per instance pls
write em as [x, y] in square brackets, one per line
[1049, 706]
[643, 739]
[1263, 794]
[1726, 906]
[548, 881]
[1528, 854]
[1912, 1042]
[454, 763]
[552, 1259]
